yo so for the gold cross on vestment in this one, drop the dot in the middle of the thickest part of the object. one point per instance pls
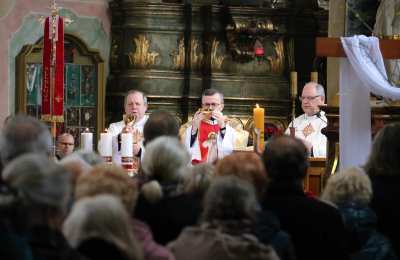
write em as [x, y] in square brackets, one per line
[308, 130]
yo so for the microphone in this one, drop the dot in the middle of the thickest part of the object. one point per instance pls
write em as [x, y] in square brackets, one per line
[318, 114]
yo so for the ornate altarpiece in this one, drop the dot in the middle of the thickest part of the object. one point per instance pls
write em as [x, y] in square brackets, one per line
[174, 51]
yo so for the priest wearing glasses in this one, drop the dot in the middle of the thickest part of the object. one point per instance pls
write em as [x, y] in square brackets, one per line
[209, 137]
[308, 126]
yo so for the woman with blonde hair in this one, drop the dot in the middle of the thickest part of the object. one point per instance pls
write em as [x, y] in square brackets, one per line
[351, 191]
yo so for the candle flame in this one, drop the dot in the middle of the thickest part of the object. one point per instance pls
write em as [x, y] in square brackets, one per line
[106, 130]
[257, 106]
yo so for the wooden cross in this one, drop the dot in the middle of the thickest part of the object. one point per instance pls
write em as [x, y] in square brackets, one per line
[332, 47]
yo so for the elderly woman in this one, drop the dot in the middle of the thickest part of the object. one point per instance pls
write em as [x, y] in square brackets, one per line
[44, 189]
[112, 179]
[102, 219]
[225, 232]
[164, 164]
[249, 167]
[351, 191]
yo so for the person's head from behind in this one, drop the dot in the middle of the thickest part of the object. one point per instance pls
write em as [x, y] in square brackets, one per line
[102, 217]
[65, 144]
[198, 178]
[135, 104]
[160, 123]
[24, 134]
[385, 153]
[285, 159]
[165, 159]
[348, 186]
[246, 166]
[76, 165]
[312, 97]
[108, 179]
[212, 99]
[44, 185]
[230, 199]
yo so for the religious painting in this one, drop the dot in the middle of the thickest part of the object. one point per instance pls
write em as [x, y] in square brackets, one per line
[33, 83]
[87, 116]
[72, 116]
[72, 86]
[81, 67]
[88, 85]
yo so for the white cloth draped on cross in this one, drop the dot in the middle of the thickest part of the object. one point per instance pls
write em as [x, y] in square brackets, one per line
[361, 73]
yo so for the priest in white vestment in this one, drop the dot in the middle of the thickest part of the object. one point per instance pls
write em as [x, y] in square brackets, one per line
[209, 138]
[308, 126]
[135, 107]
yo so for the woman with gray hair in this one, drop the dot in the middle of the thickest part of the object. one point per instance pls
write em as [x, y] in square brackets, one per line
[102, 219]
[229, 215]
[164, 164]
[351, 191]
[44, 190]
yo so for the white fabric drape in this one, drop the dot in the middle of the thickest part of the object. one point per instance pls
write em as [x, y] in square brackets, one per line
[361, 73]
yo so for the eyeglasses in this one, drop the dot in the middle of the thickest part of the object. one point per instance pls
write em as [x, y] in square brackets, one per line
[210, 104]
[308, 98]
[67, 144]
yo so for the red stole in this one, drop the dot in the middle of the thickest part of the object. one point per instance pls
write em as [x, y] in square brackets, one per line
[53, 70]
[205, 130]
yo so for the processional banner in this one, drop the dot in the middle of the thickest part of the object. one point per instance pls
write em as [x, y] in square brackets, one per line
[53, 70]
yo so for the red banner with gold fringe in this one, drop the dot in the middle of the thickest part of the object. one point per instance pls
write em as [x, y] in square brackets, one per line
[46, 103]
[53, 70]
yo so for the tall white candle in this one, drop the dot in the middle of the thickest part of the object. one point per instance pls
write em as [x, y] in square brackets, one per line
[87, 141]
[126, 145]
[105, 144]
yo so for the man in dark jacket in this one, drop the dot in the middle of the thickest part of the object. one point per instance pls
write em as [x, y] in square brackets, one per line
[316, 228]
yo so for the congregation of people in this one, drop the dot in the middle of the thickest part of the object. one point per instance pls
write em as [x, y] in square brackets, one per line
[193, 197]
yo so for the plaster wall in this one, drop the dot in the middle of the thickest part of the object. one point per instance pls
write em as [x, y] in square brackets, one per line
[19, 26]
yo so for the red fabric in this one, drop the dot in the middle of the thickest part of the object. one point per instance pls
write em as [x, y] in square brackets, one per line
[46, 110]
[58, 98]
[205, 130]
[53, 71]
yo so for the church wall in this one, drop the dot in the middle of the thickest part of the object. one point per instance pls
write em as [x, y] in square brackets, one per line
[19, 26]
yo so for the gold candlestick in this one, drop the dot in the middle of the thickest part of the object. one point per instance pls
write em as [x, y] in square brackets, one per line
[293, 84]
[314, 76]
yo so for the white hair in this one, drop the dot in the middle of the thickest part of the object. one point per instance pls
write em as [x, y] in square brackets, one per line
[41, 181]
[165, 159]
[103, 217]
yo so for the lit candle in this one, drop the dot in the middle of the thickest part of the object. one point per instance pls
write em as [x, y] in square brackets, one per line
[258, 115]
[87, 140]
[314, 76]
[293, 84]
[105, 144]
[126, 145]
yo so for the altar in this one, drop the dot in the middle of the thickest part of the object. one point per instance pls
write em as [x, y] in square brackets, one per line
[314, 181]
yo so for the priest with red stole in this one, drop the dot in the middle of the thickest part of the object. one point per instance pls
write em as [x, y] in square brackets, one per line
[209, 137]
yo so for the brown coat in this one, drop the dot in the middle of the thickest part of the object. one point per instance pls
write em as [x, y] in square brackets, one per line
[200, 243]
